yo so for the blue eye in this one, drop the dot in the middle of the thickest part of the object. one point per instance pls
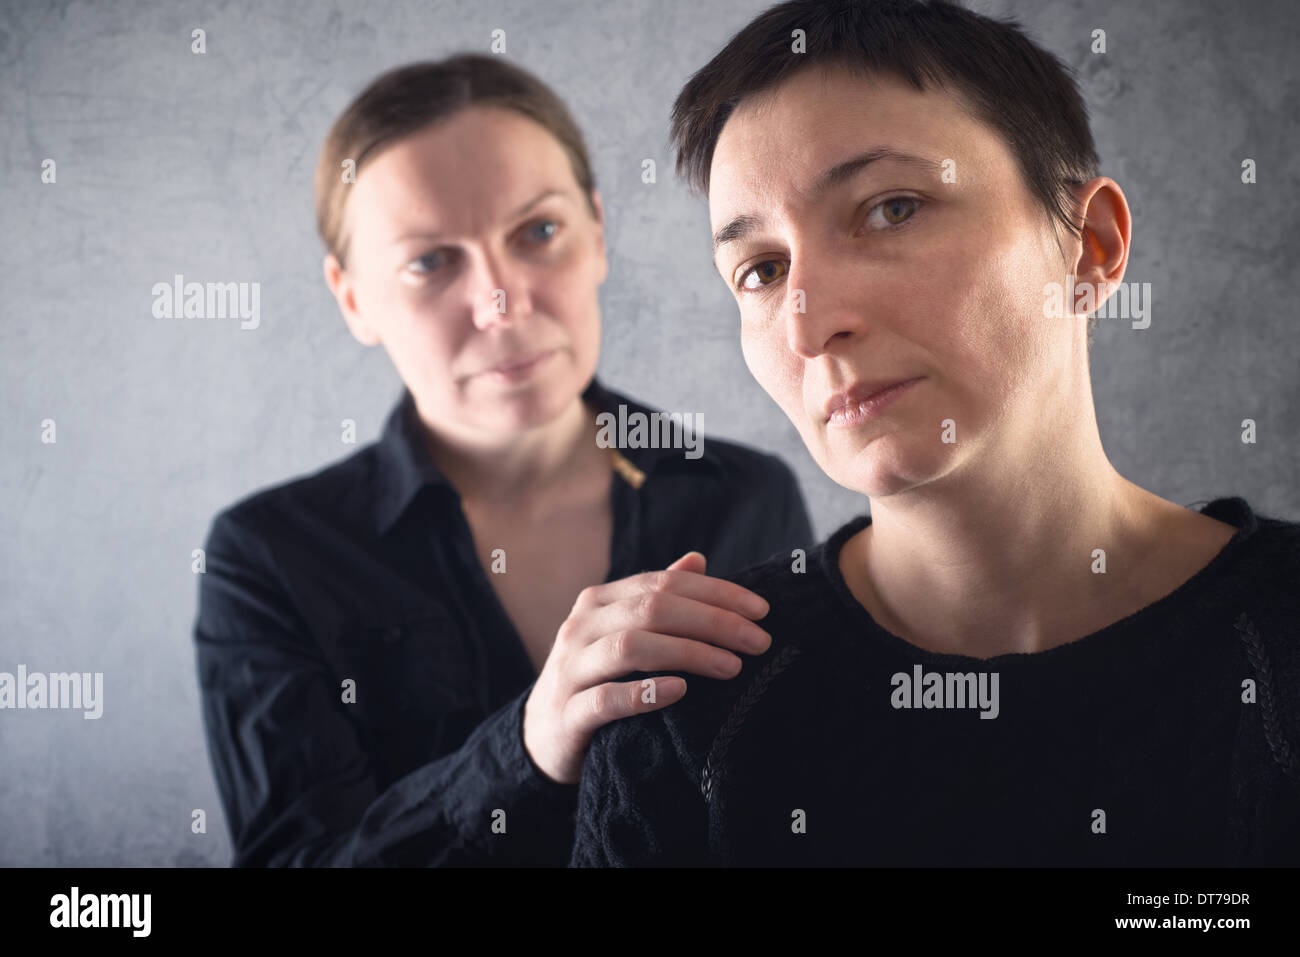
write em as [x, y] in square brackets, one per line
[554, 228]
[426, 263]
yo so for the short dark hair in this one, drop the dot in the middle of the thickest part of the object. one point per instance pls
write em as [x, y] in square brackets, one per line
[407, 99]
[1006, 80]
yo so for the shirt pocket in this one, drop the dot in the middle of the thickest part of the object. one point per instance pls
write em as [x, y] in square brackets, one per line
[410, 671]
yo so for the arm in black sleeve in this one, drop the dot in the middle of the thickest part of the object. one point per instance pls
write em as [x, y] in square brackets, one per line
[296, 783]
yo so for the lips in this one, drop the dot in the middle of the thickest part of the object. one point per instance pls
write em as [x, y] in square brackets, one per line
[518, 363]
[861, 392]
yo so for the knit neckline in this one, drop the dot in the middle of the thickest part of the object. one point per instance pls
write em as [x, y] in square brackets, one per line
[1234, 510]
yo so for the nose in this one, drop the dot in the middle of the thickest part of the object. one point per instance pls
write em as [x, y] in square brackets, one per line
[821, 311]
[497, 289]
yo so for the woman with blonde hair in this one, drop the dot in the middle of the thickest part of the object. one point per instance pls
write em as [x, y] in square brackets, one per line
[403, 656]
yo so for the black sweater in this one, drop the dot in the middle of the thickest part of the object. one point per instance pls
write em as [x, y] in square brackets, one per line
[1167, 738]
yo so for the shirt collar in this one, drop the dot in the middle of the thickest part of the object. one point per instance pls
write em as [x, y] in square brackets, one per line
[406, 466]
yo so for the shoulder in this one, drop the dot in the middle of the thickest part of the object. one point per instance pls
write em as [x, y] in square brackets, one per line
[1280, 538]
[1267, 567]
[803, 586]
[287, 525]
[667, 744]
[685, 731]
[337, 494]
[1266, 584]
[801, 606]
[1262, 595]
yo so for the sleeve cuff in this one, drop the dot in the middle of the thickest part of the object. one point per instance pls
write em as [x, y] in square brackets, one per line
[520, 762]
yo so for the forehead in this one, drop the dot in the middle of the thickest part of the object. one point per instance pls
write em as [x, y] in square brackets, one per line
[464, 168]
[776, 145]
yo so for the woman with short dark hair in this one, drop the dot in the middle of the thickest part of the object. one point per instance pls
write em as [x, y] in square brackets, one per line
[1019, 657]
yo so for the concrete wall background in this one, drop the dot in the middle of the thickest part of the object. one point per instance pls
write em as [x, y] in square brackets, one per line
[170, 162]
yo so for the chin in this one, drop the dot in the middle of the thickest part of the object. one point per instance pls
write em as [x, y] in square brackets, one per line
[537, 403]
[879, 469]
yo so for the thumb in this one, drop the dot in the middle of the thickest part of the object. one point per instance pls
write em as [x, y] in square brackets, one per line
[690, 562]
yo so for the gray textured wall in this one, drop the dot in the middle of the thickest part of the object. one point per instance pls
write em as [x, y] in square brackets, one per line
[170, 162]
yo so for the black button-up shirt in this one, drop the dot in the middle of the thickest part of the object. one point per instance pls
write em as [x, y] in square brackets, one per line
[363, 687]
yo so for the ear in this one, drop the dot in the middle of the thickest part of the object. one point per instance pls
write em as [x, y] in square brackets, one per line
[1102, 257]
[341, 285]
[600, 236]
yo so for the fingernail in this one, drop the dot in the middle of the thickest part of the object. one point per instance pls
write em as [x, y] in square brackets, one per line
[728, 667]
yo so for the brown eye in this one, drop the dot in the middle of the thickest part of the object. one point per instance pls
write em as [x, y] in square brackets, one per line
[898, 209]
[767, 272]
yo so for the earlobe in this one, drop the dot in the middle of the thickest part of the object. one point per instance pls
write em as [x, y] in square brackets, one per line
[336, 278]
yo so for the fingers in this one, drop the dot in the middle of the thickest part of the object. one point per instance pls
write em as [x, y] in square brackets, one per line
[613, 656]
[670, 613]
[690, 562]
[591, 709]
[689, 584]
[678, 620]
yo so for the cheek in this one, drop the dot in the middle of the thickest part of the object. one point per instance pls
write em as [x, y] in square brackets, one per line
[567, 289]
[758, 359]
[1008, 328]
[775, 368]
[425, 322]
[422, 335]
[992, 362]
[989, 337]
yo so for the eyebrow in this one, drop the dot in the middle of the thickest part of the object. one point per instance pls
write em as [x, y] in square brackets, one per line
[746, 223]
[545, 194]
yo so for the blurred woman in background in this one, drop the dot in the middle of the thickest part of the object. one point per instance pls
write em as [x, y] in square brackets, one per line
[404, 655]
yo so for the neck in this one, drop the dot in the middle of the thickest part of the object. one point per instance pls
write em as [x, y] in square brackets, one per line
[524, 470]
[997, 556]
